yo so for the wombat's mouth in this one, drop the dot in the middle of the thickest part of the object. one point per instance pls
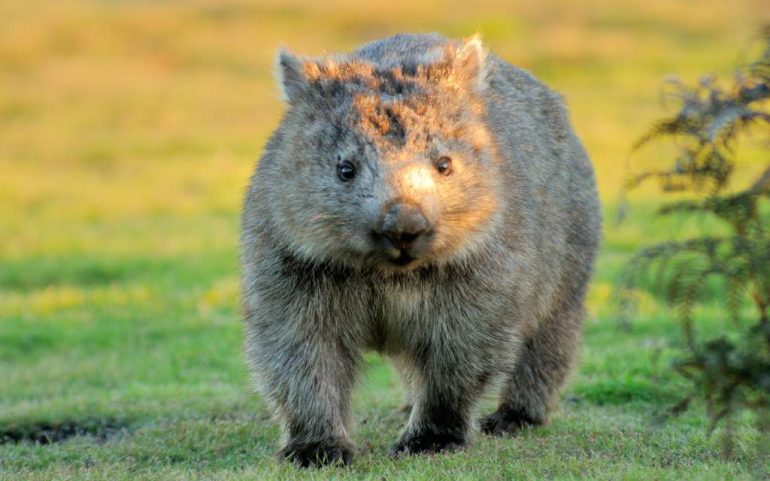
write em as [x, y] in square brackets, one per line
[403, 259]
[401, 253]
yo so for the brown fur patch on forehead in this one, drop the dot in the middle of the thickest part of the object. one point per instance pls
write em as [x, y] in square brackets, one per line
[390, 120]
[400, 105]
[334, 77]
[414, 120]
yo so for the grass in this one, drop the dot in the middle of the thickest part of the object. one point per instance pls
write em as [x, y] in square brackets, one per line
[128, 132]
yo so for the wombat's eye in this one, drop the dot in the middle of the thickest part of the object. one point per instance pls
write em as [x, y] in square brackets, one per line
[444, 165]
[346, 171]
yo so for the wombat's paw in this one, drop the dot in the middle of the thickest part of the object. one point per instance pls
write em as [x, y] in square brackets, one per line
[317, 453]
[426, 442]
[507, 420]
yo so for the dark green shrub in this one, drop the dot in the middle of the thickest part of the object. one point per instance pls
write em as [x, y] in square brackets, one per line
[731, 371]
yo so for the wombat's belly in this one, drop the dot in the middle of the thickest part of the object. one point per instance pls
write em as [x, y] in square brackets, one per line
[444, 321]
[403, 316]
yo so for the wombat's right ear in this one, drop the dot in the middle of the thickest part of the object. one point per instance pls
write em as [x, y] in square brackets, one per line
[470, 62]
[289, 70]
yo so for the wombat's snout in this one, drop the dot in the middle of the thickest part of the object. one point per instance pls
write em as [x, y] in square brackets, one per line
[401, 225]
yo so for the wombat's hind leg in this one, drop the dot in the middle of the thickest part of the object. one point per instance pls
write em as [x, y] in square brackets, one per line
[541, 369]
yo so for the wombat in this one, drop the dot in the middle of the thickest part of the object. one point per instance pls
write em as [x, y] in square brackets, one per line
[425, 199]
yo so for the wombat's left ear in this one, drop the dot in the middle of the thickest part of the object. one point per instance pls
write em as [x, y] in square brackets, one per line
[470, 63]
[292, 80]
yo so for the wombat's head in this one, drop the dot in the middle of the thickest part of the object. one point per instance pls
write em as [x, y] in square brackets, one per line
[385, 164]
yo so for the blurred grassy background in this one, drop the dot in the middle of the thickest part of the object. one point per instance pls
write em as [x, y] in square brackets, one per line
[128, 130]
[125, 109]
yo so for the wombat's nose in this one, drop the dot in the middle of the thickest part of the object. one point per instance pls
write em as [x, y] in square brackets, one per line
[402, 225]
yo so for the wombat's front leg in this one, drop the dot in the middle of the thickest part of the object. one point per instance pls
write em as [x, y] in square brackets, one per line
[440, 417]
[307, 374]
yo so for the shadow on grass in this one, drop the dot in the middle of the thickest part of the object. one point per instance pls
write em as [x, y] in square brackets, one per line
[101, 429]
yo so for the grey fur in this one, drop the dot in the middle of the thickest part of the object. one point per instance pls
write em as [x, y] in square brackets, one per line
[496, 288]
